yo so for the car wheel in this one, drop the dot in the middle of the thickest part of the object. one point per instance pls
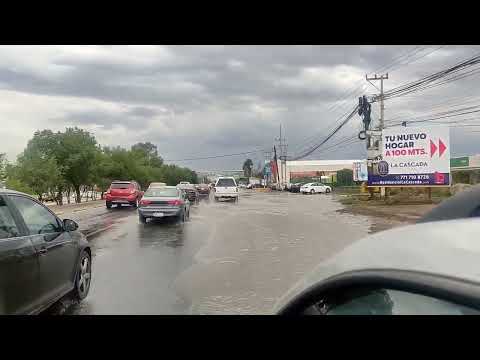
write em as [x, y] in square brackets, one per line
[108, 204]
[312, 191]
[142, 219]
[84, 277]
[327, 190]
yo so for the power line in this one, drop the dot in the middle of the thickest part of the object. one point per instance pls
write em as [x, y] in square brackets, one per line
[349, 93]
[217, 156]
[437, 106]
[311, 150]
[453, 111]
[441, 117]
[417, 85]
[408, 55]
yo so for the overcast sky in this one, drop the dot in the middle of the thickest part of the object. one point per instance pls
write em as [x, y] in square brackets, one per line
[194, 101]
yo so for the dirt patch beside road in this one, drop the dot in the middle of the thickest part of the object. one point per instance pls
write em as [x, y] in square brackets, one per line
[384, 216]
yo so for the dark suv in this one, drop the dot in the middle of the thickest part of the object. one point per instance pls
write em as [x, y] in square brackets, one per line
[42, 258]
[123, 192]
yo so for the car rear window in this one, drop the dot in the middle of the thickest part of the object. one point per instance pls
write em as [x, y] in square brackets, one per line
[121, 186]
[162, 192]
[226, 182]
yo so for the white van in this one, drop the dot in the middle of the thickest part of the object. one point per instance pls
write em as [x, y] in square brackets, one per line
[226, 188]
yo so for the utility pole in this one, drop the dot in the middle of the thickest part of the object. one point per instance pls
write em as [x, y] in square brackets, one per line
[283, 158]
[276, 163]
[382, 111]
[382, 106]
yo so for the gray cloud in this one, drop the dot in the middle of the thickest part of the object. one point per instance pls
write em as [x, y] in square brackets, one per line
[143, 111]
[204, 100]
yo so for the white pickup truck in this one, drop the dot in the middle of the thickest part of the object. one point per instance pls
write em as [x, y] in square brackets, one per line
[226, 188]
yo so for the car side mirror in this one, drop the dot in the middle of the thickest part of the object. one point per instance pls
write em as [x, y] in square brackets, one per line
[69, 225]
[375, 299]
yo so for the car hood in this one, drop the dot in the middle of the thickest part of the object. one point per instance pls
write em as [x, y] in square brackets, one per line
[449, 248]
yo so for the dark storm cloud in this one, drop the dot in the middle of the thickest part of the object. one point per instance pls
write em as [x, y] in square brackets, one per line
[222, 98]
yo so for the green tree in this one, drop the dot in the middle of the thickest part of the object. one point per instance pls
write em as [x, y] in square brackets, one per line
[13, 182]
[147, 153]
[76, 153]
[345, 177]
[247, 168]
[40, 174]
[54, 163]
[3, 167]
[38, 161]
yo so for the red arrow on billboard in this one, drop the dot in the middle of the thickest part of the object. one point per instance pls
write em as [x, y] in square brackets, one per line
[433, 148]
[441, 148]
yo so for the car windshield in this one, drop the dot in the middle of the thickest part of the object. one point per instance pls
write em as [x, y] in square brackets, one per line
[121, 186]
[226, 182]
[162, 192]
[211, 179]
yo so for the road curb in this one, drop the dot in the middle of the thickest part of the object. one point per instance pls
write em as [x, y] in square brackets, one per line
[96, 232]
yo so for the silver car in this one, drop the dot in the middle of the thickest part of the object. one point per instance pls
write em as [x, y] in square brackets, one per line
[167, 201]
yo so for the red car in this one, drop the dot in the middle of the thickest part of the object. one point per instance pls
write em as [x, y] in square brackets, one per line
[123, 192]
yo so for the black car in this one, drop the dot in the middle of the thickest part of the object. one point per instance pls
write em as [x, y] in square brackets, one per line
[191, 192]
[295, 188]
[203, 190]
[42, 258]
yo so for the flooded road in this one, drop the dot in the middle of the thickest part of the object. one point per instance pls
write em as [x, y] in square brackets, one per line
[228, 259]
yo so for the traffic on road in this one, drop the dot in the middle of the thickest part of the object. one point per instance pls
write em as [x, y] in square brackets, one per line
[289, 180]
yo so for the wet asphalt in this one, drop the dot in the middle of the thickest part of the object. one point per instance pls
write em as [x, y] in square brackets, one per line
[227, 259]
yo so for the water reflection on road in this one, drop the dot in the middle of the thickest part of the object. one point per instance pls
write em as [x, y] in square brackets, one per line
[228, 259]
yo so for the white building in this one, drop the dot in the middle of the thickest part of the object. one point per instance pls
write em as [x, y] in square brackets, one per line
[311, 168]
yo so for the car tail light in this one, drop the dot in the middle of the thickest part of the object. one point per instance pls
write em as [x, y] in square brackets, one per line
[145, 202]
[175, 202]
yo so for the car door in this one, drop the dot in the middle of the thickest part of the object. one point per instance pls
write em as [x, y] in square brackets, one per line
[56, 247]
[20, 288]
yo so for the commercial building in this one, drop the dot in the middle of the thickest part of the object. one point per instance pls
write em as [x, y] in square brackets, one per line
[310, 168]
[468, 164]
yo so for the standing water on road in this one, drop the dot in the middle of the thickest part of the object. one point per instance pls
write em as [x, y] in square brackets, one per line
[230, 258]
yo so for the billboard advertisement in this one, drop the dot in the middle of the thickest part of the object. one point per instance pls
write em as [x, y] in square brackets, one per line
[360, 171]
[416, 156]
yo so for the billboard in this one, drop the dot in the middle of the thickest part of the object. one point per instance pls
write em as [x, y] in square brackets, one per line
[415, 156]
[360, 171]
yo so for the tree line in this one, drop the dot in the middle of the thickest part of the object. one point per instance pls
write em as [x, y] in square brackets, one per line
[57, 164]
